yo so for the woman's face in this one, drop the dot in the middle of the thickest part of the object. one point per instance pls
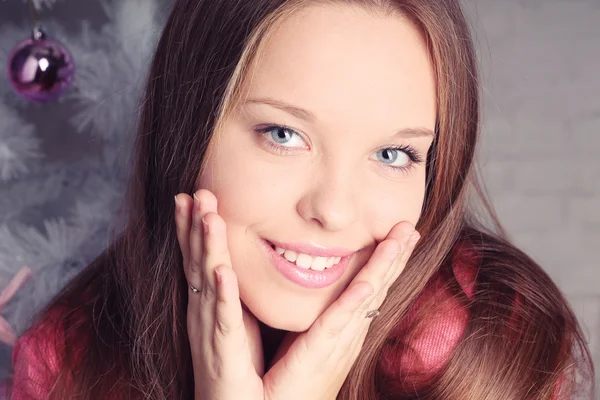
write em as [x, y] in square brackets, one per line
[326, 152]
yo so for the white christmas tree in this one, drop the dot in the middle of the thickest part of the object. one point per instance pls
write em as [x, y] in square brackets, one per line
[56, 213]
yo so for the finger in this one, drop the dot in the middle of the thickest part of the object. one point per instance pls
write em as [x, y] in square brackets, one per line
[386, 258]
[230, 334]
[200, 314]
[328, 328]
[379, 264]
[401, 232]
[393, 273]
[229, 315]
[183, 223]
[403, 258]
[374, 272]
[204, 202]
[230, 343]
[383, 264]
[359, 337]
[216, 251]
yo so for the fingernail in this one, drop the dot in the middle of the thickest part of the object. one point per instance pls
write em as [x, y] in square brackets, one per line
[220, 277]
[205, 224]
[176, 201]
[415, 238]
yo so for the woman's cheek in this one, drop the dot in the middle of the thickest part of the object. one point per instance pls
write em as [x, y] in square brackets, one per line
[404, 204]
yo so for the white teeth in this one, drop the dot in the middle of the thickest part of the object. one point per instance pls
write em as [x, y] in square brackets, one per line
[290, 255]
[306, 261]
[319, 263]
[330, 262]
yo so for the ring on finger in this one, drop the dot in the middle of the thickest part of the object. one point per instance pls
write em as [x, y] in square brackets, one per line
[194, 289]
[372, 314]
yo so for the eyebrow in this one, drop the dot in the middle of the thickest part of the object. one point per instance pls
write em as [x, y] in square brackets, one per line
[310, 117]
[414, 133]
[297, 112]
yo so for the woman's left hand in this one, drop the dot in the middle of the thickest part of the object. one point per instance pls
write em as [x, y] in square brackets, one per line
[314, 364]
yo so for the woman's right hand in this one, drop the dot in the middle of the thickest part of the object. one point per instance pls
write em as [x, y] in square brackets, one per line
[227, 355]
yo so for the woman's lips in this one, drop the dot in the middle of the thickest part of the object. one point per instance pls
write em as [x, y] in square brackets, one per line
[306, 277]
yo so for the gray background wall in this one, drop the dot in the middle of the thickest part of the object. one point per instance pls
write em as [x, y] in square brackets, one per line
[540, 153]
[541, 148]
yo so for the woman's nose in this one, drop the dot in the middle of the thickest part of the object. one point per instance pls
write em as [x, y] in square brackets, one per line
[331, 201]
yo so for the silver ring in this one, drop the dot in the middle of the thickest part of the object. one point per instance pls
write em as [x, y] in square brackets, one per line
[372, 314]
[194, 289]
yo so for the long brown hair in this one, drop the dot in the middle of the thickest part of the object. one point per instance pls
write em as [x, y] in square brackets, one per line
[122, 321]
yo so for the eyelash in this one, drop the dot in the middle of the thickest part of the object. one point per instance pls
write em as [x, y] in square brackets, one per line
[412, 154]
[409, 150]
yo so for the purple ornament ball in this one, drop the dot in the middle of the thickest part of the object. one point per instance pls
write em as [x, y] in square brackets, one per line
[40, 69]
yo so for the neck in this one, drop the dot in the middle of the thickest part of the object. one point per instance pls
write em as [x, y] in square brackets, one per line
[271, 340]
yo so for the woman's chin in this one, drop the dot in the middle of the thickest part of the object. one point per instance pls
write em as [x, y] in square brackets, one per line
[291, 322]
[281, 310]
[294, 326]
[287, 323]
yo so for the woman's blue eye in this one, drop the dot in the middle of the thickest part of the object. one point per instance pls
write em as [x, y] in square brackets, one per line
[394, 157]
[280, 135]
[283, 136]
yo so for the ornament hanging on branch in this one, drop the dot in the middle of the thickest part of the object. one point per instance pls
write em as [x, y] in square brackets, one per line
[40, 69]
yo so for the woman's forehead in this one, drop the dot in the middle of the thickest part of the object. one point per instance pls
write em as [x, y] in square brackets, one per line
[343, 62]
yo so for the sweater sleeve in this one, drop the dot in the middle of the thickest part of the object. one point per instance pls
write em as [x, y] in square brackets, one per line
[35, 361]
[406, 366]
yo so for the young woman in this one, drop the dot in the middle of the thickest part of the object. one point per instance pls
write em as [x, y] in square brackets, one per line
[309, 146]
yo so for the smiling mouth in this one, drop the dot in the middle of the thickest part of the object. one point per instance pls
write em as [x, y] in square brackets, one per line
[306, 261]
[317, 274]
